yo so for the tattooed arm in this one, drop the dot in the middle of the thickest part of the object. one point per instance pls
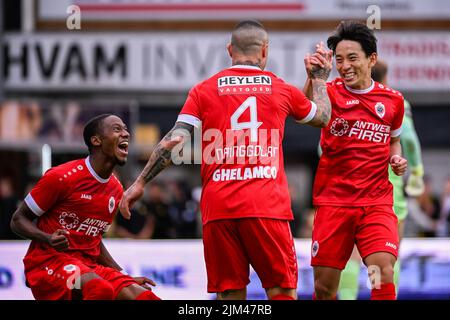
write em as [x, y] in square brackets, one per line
[161, 156]
[307, 88]
[318, 67]
[321, 99]
[160, 159]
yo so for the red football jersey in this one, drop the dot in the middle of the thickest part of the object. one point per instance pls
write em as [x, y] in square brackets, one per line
[73, 197]
[242, 111]
[353, 167]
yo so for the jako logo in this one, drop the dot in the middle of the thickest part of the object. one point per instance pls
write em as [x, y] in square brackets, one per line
[350, 102]
[389, 244]
[6, 278]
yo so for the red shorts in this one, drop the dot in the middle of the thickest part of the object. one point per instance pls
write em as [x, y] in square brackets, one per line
[337, 229]
[53, 278]
[231, 246]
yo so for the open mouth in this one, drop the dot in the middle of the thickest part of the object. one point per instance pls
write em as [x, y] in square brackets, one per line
[123, 147]
[349, 76]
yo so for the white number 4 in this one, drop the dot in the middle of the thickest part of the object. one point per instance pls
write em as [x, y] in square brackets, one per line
[253, 124]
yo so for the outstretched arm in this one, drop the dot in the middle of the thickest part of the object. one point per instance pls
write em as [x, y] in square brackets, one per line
[160, 159]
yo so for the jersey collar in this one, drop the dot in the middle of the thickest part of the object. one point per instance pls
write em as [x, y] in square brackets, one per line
[243, 66]
[94, 174]
[361, 91]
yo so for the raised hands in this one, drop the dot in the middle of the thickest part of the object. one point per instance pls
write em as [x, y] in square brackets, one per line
[319, 64]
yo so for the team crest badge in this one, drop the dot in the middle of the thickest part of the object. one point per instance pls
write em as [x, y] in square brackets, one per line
[112, 204]
[69, 268]
[314, 248]
[380, 109]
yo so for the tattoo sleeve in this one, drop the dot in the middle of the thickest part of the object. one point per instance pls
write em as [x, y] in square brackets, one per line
[161, 155]
[321, 99]
[319, 73]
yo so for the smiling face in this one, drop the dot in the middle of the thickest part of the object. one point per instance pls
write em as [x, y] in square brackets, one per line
[113, 140]
[353, 65]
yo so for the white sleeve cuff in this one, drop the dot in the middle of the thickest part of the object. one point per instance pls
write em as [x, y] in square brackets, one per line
[189, 119]
[395, 133]
[310, 115]
[33, 205]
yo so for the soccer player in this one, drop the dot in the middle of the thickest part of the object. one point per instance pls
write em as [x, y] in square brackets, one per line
[245, 201]
[352, 193]
[74, 203]
[349, 284]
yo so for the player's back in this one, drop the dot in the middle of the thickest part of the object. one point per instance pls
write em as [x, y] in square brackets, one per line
[240, 99]
[243, 111]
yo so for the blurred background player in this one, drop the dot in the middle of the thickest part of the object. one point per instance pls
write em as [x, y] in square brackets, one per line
[74, 203]
[349, 284]
[352, 193]
[245, 214]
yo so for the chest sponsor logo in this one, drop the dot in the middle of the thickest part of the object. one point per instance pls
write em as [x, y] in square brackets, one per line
[86, 196]
[339, 127]
[244, 85]
[93, 227]
[361, 130]
[111, 204]
[69, 220]
[380, 109]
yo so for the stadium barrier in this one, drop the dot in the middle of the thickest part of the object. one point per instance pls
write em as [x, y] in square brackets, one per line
[179, 270]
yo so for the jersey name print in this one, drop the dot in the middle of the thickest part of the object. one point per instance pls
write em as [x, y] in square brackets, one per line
[242, 112]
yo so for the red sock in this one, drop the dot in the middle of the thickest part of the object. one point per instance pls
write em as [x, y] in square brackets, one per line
[97, 289]
[147, 295]
[386, 292]
[281, 297]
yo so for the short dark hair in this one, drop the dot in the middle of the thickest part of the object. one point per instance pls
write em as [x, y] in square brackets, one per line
[248, 36]
[379, 71]
[354, 31]
[249, 23]
[92, 128]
